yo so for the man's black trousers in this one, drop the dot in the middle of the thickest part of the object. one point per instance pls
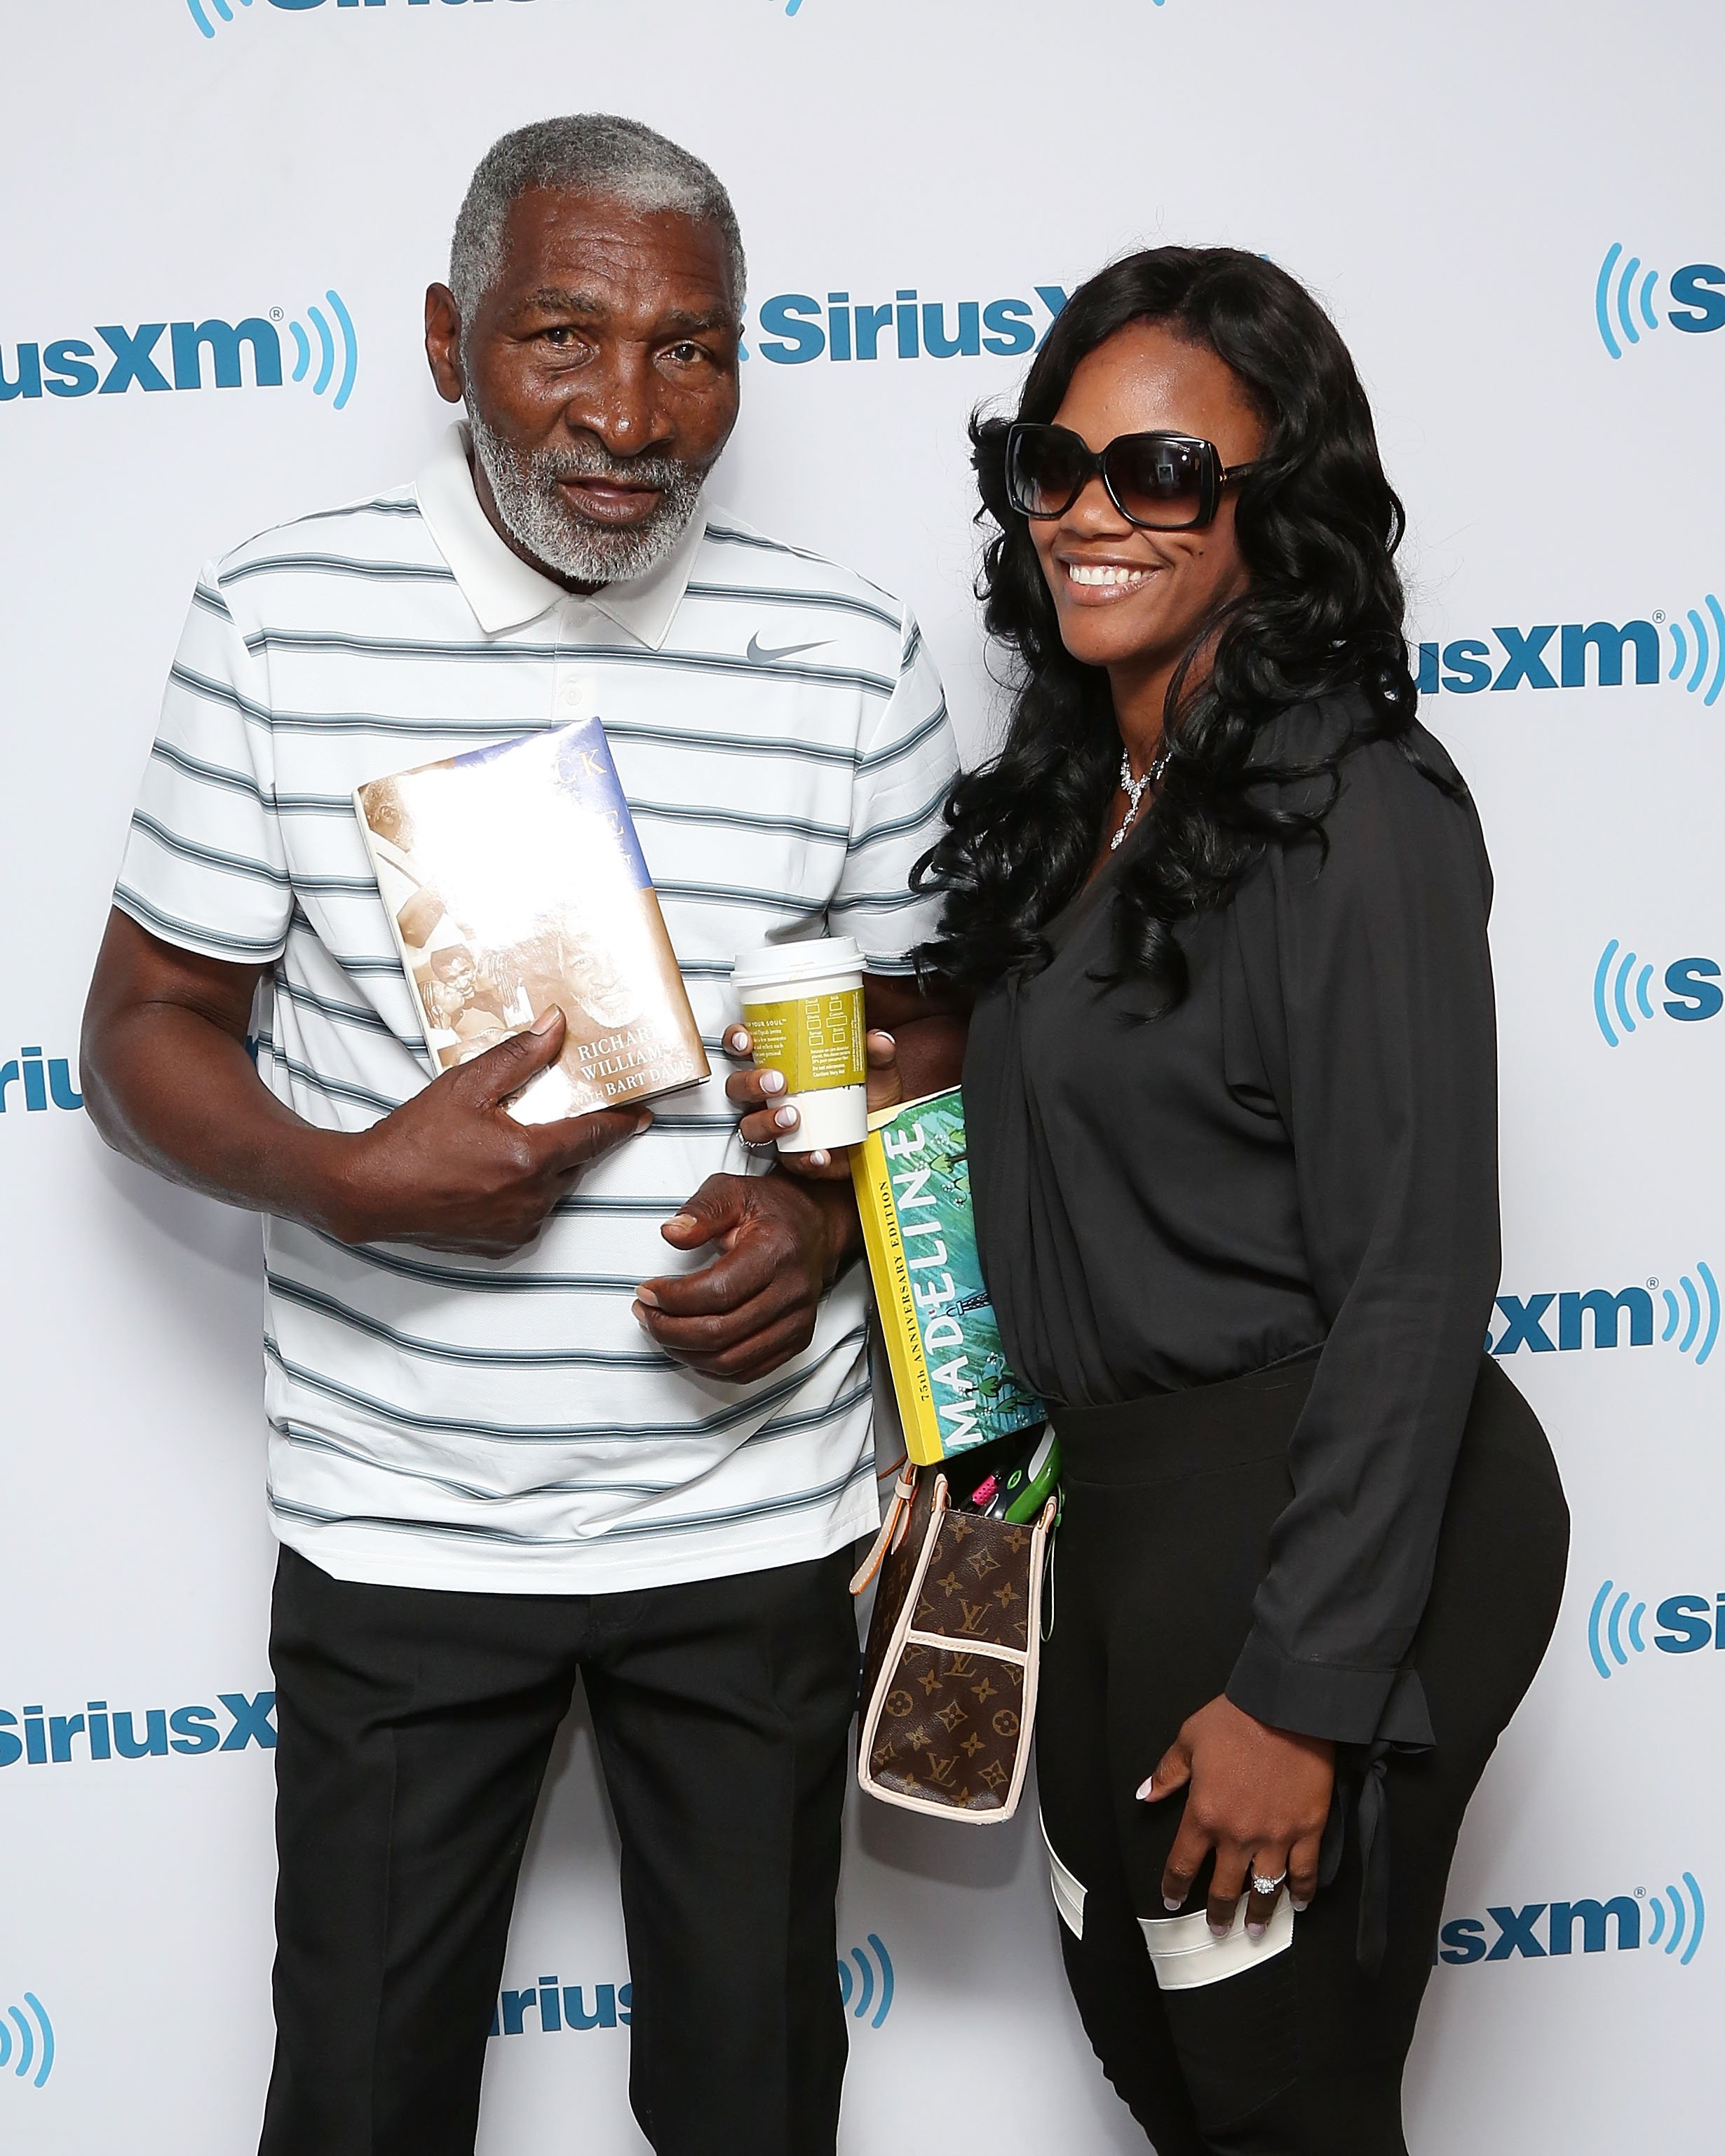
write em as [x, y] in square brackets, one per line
[415, 1727]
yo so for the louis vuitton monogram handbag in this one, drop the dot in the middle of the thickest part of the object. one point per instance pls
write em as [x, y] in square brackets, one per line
[949, 1679]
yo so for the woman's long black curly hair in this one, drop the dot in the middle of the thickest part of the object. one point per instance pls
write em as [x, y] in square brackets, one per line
[1318, 526]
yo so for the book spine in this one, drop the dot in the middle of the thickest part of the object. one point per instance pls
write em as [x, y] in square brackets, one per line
[895, 1302]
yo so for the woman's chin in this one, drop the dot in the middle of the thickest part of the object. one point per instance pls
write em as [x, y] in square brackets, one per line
[1095, 639]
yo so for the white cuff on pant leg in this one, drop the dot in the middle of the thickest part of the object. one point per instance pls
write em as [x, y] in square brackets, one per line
[1184, 1952]
[1068, 1889]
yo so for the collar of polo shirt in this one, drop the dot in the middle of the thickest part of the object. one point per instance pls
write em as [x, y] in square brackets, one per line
[505, 592]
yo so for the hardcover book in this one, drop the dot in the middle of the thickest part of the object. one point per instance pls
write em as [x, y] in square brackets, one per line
[513, 880]
[949, 1372]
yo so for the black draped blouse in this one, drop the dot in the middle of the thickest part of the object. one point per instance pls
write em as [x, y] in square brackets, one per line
[1300, 1154]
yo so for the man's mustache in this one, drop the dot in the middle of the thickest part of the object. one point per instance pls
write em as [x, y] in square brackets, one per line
[593, 460]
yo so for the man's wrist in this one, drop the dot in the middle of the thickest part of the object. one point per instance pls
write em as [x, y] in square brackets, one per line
[836, 1204]
[330, 1186]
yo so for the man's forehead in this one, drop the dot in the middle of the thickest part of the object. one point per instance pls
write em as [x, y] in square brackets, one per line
[565, 241]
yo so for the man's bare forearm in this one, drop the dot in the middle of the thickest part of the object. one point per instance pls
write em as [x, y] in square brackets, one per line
[167, 1080]
[170, 1087]
[930, 1053]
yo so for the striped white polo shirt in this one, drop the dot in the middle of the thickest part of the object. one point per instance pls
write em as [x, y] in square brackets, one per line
[504, 1425]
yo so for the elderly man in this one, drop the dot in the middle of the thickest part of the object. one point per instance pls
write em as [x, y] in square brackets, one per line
[514, 1439]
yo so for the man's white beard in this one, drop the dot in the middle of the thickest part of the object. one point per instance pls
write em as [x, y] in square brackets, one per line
[525, 489]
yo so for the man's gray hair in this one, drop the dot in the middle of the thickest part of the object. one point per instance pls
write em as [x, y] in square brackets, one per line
[597, 153]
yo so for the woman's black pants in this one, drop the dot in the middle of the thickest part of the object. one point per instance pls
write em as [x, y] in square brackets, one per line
[1169, 1507]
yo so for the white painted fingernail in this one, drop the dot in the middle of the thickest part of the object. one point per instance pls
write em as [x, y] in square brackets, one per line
[1298, 1907]
[772, 1081]
[1169, 1902]
[1147, 1788]
[741, 1042]
[1254, 1930]
[1218, 1931]
[787, 1119]
[817, 1158]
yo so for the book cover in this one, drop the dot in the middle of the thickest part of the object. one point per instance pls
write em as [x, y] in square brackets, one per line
[949, 1372]
[513, 880]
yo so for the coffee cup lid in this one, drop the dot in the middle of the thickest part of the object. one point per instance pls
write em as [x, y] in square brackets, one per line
[811, 960]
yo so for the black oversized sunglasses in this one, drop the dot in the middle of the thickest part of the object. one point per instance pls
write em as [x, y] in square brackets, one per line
[1162, 482]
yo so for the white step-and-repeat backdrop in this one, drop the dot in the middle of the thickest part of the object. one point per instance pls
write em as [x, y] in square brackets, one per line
[1511, 210]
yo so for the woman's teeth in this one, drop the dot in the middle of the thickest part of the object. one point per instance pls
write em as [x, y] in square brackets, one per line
[1108, 574]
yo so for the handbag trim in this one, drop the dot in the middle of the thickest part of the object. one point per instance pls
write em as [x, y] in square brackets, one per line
[892, 1529]
[947, 1641]
[903, 1631]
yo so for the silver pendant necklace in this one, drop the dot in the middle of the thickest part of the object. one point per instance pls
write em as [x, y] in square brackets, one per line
[1135, 790]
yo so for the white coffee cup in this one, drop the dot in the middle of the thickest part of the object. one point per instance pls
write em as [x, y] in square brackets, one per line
[802, 1007]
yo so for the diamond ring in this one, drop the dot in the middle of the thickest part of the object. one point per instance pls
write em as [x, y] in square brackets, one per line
[1261, 1885]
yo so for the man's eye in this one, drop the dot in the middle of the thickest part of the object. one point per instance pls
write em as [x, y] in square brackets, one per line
[686, 354]
[560, 336]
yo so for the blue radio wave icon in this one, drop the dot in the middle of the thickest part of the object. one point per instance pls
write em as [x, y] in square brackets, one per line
[1689, 1914]
[1612, 996]
[865, 1985]
[34, 2042]
[222, 8]
[1708, 642]
[334, 344]
[1697, 1306]
[1624, 300]
[1606, 1629]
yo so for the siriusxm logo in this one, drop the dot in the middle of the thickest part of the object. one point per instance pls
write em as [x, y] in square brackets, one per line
[1590, 654]
[53, 1740]
[555, 2007]
[1623, 299]
[549, 2007]
[1602, 1925]
[866, 1988]
[796, 327]
[1688, 1622]
[41, 1082]
[199, 356]
[27, 2034]
[202, 10]
[1621, 983]
[1693, 1323]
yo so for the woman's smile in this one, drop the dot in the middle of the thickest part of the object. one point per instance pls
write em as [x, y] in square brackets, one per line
[1090, 583]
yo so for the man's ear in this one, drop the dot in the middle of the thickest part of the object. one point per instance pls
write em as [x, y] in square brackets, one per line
[443, 342]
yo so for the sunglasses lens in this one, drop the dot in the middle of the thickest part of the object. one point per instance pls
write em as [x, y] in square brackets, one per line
[1155, 479]
[1045, 466]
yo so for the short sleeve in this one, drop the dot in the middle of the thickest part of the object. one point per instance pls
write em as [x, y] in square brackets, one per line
[204, 864]
[905, 770]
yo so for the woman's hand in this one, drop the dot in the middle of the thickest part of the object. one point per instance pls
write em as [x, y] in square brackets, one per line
[1259, 1797]
[765, 1119]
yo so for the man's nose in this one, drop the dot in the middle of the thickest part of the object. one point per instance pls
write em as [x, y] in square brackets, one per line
[619, 401]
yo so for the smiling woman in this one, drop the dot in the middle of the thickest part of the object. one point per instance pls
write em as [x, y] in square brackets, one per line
[1286, 590]
[1231, 1091]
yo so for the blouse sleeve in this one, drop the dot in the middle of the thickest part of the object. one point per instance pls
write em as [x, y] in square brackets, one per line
[1369, 979]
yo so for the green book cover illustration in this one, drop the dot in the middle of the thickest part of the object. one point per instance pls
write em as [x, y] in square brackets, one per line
[954, 1387]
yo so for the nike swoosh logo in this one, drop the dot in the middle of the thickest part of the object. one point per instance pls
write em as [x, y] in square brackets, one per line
[759, 654]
